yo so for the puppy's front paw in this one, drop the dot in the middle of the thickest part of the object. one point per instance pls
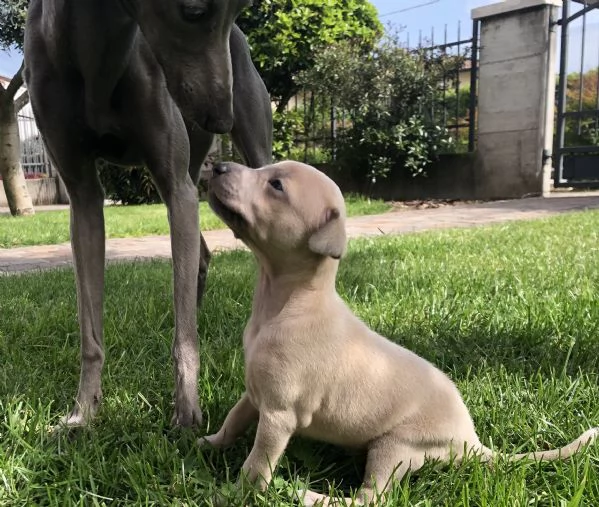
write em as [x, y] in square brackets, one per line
[311, 498]
[214, 440]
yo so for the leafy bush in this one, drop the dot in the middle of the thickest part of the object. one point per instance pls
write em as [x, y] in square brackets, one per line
[313, 154]
[303, 131]
[388, 95]
[288, 125]
[456, 108]
[128, 185]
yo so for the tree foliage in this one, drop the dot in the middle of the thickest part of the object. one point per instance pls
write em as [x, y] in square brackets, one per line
[582, 93]
[12, 21]
[286, 36]
[585, 93]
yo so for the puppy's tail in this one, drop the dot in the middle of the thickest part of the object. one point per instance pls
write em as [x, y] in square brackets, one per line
[587, 438]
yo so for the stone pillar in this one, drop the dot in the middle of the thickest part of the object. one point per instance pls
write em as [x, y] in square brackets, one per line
[516, 97]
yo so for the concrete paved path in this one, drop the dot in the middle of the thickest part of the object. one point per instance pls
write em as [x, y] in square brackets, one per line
[15, 260]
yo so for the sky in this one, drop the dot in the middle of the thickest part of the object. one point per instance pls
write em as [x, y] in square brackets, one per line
[415, 16]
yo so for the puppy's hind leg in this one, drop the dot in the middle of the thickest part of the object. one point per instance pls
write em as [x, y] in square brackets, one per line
[388, 458]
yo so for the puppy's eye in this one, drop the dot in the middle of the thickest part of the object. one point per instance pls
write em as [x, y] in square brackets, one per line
[276, 184]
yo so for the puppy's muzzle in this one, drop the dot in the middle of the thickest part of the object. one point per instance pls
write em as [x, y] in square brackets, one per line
[220, 169]
[220, 197]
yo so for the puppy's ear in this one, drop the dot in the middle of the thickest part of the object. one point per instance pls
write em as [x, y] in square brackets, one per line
[330, 238]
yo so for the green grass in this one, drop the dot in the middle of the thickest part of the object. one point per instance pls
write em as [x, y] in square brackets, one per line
[358, 205]
[52, 227]
[510, 312]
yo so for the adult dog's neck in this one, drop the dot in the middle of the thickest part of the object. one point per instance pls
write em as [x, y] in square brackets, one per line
[130, 6]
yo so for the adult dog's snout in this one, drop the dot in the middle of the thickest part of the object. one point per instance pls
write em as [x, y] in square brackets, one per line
[221, 124]
[192, 12]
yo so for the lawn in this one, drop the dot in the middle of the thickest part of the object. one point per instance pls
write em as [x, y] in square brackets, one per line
[510, 312]
[52, 227]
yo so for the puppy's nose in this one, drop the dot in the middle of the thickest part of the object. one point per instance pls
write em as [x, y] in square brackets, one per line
[220, 168]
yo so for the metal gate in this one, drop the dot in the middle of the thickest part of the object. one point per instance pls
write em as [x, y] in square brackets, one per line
[576, 153]
[34, 157]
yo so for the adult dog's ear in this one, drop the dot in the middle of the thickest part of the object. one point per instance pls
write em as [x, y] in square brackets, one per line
[330, 238]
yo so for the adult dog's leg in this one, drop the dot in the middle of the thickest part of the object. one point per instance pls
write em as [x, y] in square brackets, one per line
[252, 128]
[199, 144]
[205, 257]
[181, 199]
[158, 129]
[88, 243]
[53, 109]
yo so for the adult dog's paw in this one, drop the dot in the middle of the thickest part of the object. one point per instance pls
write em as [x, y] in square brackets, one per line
[187, 416]
[78, 418]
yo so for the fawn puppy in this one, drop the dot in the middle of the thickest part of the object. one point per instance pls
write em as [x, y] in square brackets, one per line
[312, 368]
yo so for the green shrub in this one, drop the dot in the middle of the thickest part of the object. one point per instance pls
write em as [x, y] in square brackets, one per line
[288, 126]
[303, 132]
[128, 185]
[389, 96]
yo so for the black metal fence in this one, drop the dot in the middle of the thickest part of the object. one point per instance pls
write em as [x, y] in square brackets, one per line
[454, 107]
[576, 151]
[319, 123]
[460, 81]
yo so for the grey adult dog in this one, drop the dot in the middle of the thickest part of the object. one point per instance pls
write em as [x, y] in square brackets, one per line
[146, 81]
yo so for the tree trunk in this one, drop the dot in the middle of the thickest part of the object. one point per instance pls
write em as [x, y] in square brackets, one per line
[15, 186]
[282, 105]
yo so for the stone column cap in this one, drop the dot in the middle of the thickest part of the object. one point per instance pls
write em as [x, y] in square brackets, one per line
[508, 6]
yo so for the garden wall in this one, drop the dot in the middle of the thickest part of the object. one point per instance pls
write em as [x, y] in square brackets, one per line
[42, 191]
[451, 177]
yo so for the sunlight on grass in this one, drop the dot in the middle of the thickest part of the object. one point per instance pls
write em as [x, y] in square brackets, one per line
[509, 312]
[52, 227]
